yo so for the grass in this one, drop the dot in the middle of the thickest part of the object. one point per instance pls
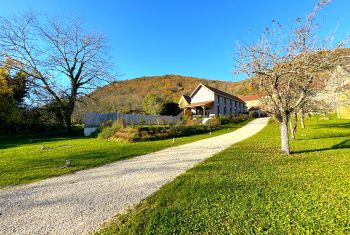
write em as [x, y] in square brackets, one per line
[251, 188]
[23, 161]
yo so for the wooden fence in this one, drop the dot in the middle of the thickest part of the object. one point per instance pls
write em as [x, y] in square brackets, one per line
[96, 119]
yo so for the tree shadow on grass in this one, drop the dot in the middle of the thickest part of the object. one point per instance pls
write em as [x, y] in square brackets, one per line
[332, 125]
[345, 144]
[326, 136]
[15, 140]
[19, 141]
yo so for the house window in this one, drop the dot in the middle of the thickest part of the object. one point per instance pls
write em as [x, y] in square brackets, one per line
[218, 109]
[225, 105]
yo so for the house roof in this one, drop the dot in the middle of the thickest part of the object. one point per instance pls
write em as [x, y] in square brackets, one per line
[249, 97]
[218, 92]
[187, 98]
[201, 104]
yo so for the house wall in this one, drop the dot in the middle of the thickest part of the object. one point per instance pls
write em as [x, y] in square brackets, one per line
[336, 94]
[182, 102]
[344, 112]
[233, 107]
[344, 106]
[203, 94]
[212, 110]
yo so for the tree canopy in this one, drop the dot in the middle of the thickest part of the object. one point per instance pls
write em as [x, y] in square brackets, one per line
[152, 104]
[62, 59]
[283, 63]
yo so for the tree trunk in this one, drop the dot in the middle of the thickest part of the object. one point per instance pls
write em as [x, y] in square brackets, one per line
[284, 135]
[302, 121]
[293, 127]
[67, 111]
[68, 122]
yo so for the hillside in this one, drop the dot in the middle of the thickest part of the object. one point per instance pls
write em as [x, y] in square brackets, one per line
[127, 95]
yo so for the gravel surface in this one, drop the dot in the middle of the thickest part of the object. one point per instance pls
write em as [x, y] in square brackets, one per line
[79, 203]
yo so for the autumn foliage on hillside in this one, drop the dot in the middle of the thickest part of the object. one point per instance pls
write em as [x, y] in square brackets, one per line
[126, 96]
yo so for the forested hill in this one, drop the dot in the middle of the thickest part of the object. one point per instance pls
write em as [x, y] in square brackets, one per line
[127, 95]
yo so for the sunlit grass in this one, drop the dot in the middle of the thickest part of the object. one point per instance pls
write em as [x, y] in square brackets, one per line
[251, 188]
[22, 160]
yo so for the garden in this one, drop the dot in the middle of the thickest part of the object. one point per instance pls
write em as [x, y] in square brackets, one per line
[119, 131]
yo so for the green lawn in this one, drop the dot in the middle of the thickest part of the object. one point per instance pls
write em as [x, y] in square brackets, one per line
[251, 188]
[23, 161]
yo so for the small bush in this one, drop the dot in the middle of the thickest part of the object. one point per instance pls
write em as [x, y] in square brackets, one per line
[233, 119]
[108, 123]
[119, 123]
[178, 131]
[240, 118]
[253, 114]
[187, 115]
[108, 129]
[106, 133]
[225, 119]
[193, 122]
[214, 122]
[142, 122]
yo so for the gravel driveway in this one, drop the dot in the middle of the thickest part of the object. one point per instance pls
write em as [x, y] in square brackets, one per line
[78, 203]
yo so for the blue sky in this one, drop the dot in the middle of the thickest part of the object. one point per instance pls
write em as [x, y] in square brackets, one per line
[186, 37]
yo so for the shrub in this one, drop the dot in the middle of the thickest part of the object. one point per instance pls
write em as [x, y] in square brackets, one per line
[186, 115]
[191, 122]
[142, 122]
[214, 122]
[225, 119]
[145, 133]
[119, 123]
[240, 118]
[178, 131]
[108, 129]
[253, 114]
[108, 123]
[106, 133]
[233, 119]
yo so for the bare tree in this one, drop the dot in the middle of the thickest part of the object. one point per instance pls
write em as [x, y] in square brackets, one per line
[282, 65]
[62, 59]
